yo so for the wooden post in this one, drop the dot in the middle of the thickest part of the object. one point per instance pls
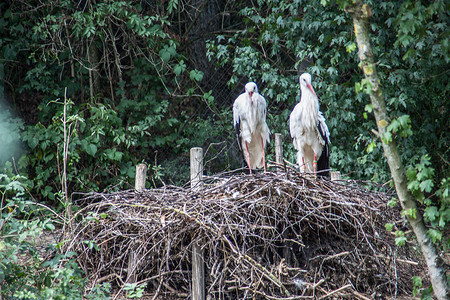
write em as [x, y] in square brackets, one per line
[335, 175]
[278, 150]
[132, 265]
[141, 174]
[287, 247]
[133, 257]
[198, 273]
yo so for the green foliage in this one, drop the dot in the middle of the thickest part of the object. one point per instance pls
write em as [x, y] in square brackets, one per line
[425, 293]
[24, 274]
[134, 290]
[417, 284]
[100, 292]
[420, 177]
[279, 41]
[389, 226]
[421, 183]
[120, 123]
[400, 238]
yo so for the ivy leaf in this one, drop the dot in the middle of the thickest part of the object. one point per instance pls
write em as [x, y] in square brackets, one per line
[392, 203]
[410, 212]
[350, 48]
[417, 283]
[426, 185]
[431, 213]
[435, 235]
[368, 108]
[400, 241]
[389, 226]
[411, 173]
[371, 147]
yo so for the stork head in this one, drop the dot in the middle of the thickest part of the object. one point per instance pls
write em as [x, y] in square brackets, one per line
[305, 83]
[251, 88]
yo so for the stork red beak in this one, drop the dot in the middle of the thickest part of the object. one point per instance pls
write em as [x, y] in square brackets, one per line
[311, 89]
[250, 94]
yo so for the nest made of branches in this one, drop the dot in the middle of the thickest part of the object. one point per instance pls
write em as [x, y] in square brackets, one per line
[270, 235]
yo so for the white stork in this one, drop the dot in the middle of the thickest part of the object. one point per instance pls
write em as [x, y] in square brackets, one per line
[252, 132]
[309, 132]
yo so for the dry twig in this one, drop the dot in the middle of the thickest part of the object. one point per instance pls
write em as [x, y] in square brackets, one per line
[261, 235]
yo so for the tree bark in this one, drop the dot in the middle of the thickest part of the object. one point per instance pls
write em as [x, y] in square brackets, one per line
[94, 63]
[361, 13]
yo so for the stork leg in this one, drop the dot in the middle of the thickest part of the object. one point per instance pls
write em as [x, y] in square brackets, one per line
[248, 158]
[315, 165]
[304, 165]
[263, 154]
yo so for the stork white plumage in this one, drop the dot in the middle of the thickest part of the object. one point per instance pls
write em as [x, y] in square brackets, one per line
[309, 131]
[252, 132]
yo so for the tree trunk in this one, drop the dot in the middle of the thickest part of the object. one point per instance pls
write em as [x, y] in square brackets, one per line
[94, 64]
[361, 14]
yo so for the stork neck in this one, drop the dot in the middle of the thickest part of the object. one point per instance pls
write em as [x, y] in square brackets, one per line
[310, 108]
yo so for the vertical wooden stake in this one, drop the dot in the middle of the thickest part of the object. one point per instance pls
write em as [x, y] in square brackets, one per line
[134, 258]
[196, 168]
[287, 251]
[198, 274]
[132, 265]
[278, 150]
[141, 174]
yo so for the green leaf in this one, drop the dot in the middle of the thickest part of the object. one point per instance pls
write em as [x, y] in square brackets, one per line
[435, 235]
[389, 226]
[113, 154]
[400, 241]
[357, 87]
[392, 203]
[50, 226]
[417, 284]
[431, 213]
[350, 48]
[411, 173]
[167, 52]
[180, 68]
[410, 213]
[371, 147]
[91, 149]
[196, 75]
[426, 185]
[386, 137]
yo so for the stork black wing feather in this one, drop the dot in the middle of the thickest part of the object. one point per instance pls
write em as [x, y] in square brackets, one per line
[237, 127]
[323, 164]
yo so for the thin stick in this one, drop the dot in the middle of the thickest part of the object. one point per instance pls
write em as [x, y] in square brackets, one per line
[336, 291]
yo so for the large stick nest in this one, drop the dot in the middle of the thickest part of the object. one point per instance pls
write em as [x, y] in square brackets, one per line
[272, 236]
